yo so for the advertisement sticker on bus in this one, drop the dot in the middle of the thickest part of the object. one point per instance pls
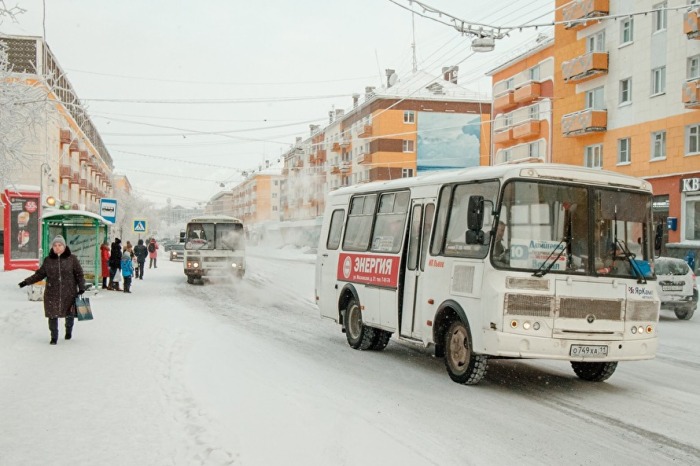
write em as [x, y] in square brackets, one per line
[370, 269]
[531, 254]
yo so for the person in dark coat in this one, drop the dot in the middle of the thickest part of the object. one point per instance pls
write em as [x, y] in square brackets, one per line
[64, 282]
[115, 263]
[104, 256]
[141, 252]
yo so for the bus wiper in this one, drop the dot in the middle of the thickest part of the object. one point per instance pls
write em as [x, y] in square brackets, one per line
[542, 271]
[630, 256]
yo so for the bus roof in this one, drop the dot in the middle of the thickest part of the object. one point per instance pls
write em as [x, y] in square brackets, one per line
[214, 219]
[556, 171]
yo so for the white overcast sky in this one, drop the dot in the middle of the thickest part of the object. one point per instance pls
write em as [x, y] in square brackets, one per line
[315, 52]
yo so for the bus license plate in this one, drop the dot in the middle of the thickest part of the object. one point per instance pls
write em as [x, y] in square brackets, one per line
[588, 351]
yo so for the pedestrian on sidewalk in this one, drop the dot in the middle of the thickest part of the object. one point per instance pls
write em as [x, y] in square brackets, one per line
[104, 256]
[115, 263]
[64, 282]
[153, 253]
[141, 252]
[127, 271]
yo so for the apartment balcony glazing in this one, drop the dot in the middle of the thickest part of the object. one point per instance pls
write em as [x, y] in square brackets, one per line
[65, 136]
[527, 92]
[691, 23]
[504, 101]
[502, 136]
[83, 156]
[585, 67]
[75, 178]
[83, 185]
[691, 94]
[578, 13]
[527, 130]
[584, 122]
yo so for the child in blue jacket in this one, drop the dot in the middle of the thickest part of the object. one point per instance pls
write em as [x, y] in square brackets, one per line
[127, 271]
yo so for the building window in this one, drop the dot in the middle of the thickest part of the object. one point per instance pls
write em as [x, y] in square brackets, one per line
[534, 112]
[534, 73]
[594, 156]
[659, 17]
[595, 99]
[507, 120]
[406, 172]
[623, 151]
[409, 116]
[274, 208]
[658, 80]
[408, 145]
[596, 42]
[533, 149]
[692, 138]
[626, 31]
[692, 218]
[626, 91]
[658, 145]
[274, 195]
[276, 182]
[510, 83]
[694, 67]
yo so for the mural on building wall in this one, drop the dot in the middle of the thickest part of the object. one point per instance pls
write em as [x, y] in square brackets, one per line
[447, 141]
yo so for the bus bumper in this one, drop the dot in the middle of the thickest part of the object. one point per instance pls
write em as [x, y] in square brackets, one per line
[531, 347]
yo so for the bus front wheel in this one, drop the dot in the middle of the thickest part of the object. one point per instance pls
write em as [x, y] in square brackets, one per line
[594, 371]
[190, 279]
[358, 334]
[462, 364]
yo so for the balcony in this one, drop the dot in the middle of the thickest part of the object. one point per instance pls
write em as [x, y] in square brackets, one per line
[366, 131]
[335, 170]
[83, 155]
[527, 93]
[584, 122]
[691, 94]
[502, 136]
[577, 13]
[335, 147]
[75, 178]
[65, 136]
[73, 146]
[65, 172]
[83, 184]
[691, 24]
[364, 158]
[585, 67]
[346, 167]
[504, 101]
[320, 156]
[527, 130]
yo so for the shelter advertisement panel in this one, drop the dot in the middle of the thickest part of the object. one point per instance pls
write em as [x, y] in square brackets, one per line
[22, 235]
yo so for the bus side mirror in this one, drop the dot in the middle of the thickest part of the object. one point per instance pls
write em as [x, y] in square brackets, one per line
[475, 213]
[475, 237]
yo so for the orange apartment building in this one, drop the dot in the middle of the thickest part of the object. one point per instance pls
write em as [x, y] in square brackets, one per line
[413, 125]
[256, 201]
[625, 98]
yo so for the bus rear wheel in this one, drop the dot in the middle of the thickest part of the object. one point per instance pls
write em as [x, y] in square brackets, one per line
[381, 339]
[462, 364]
[594, 371]
[359, 335]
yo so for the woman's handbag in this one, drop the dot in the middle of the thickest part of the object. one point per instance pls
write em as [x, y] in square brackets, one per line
[82, 308]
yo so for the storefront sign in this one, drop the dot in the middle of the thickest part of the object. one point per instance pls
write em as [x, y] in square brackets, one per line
[690, 185]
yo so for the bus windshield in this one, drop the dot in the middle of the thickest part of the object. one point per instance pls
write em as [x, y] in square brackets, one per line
[228, 236]
[546, 227]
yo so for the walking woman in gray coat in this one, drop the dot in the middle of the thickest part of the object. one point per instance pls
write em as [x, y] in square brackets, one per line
[64, 281]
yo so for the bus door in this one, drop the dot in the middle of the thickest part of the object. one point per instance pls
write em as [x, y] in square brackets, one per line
[327, 266]
[422, 212]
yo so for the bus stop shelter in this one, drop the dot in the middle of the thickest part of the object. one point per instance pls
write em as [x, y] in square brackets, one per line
[84, 233]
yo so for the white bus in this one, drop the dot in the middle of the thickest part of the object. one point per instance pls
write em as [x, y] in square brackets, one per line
[526, 260]
[214, 247]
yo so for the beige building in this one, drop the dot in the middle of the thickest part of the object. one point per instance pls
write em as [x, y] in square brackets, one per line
[66, 159]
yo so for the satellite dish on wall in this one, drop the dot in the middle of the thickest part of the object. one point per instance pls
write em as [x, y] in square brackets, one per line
[393, 78]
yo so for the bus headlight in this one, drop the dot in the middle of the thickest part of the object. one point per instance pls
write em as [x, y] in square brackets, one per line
[234, 265]
[526, 325]
[634, 330]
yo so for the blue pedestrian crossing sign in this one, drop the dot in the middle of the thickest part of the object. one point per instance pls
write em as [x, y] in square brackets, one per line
[140, 226]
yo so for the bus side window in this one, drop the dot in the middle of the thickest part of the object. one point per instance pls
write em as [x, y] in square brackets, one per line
[441, 221]
[359, 224]
[390, 222]
[427, 226]
[335, 229]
